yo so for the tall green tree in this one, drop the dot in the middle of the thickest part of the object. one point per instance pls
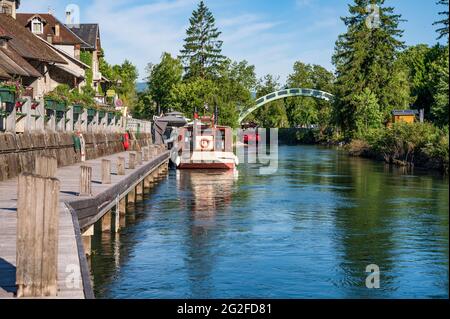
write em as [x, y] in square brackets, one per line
[306, 110]
[128, 74]
[162, 78]
[366, 58]
[202, 50]
[443, 24]
[440, 107]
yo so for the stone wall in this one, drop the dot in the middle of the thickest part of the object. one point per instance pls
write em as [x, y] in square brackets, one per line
[18, 151]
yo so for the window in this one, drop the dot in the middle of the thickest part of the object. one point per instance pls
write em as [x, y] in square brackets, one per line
[6, 9]
[37, 26]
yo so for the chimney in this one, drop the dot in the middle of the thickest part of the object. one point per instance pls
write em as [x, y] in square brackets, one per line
[4, 41]
[57, 30]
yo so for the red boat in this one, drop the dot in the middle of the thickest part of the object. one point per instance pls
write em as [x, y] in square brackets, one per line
[252, 137]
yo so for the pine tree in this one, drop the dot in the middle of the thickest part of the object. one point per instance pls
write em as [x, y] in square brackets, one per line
[201, 53]
[443, 30]
[366, 58]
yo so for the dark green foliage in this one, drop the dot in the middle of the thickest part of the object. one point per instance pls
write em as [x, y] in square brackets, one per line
[420, 144]
[443, 24]
[366, 61]
[201, 53]
[162, 77]
[305, 111]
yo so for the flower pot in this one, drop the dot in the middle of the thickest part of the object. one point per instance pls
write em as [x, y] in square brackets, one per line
[77, 109]
[92, 112]
[7, 95]
[61, 107]
[50, 104]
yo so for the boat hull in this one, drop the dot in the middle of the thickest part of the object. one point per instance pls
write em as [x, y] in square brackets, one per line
[221, 166]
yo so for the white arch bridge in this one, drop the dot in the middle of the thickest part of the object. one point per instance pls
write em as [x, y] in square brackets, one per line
[284, 94]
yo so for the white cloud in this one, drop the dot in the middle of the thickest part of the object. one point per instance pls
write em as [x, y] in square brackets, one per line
[141, 31]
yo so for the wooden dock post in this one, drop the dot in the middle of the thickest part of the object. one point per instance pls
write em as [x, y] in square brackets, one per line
[139, 158]
[131, 197]
[117, 216]
[37, 236]
[121, 166]
[106, 222]
[146, 155]
[132, 161]
[106, 171]
[147, 182]
[122, 206]
[87, 240]
[122, 212]
[140, 189]
[45, 166]
[86, 181]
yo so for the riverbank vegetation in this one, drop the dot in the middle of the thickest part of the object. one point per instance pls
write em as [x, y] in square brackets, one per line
[375, 73]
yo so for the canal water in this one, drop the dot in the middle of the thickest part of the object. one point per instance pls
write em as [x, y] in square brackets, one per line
[308, 231]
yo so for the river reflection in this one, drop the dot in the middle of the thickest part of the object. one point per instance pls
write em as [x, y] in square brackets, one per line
[308, 231]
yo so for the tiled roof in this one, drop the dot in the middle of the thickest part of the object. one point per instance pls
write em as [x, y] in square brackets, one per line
[25, 43]
[66, 36]
[12, 63]
[4, 74]
[88, 32]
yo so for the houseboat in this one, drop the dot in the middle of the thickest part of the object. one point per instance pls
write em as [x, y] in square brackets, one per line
[203, 144]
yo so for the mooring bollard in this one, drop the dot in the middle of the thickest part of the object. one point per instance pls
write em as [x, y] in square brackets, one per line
[132, 161]
[106, 171]
[139, 158]
[37, 236]
[145, 151]
[86, 181]
[45, 166]
[121, 166]
[155, 150]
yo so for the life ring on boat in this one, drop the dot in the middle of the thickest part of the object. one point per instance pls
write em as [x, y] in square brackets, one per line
[205, 144]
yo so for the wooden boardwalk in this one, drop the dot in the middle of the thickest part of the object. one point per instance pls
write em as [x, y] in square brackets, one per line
[70, 282]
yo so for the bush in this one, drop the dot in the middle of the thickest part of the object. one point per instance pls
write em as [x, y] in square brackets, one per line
[420, 144]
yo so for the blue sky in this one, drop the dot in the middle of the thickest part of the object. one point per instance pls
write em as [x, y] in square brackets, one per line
[272, 35]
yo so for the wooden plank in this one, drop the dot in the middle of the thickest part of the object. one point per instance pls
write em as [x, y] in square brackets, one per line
[70, 250]
[46, 166]
[37, 236]
[50, 237]
[85, 181]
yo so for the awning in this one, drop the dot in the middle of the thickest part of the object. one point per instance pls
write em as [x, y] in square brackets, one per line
[70, 71]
